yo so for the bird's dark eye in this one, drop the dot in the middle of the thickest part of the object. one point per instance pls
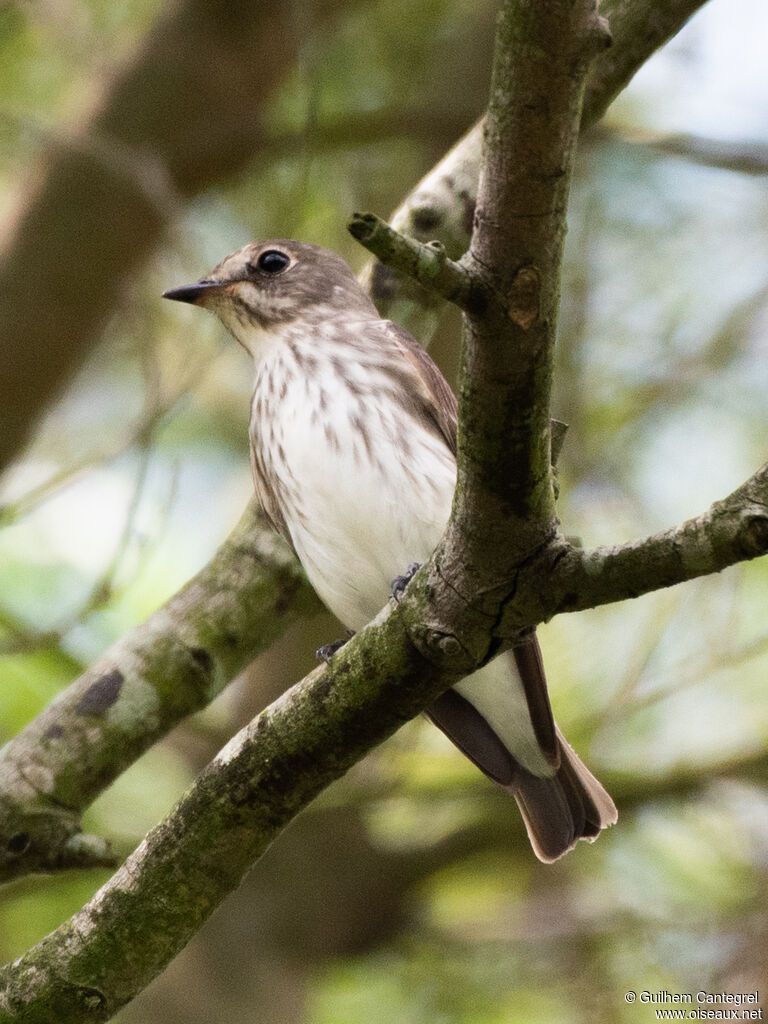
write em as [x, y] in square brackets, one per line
[273, 261]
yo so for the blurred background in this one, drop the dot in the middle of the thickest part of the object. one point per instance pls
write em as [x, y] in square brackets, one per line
[408, 892]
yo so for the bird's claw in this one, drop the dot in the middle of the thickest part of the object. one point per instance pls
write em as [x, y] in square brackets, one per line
[400, 583]
[327, 651]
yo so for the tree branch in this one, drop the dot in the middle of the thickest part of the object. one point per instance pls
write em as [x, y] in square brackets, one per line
[638, 30]
[742, 157]
[426, 263]
[442, 205]
[732, 530]
[260, 780]
[173, 664]
[503, 509]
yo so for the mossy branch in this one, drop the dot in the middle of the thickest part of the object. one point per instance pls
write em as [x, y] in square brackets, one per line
[427, 263]
[160, 672]
[127, 933]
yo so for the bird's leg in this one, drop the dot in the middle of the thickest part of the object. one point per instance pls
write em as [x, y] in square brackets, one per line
[327, 651]
[399, 583]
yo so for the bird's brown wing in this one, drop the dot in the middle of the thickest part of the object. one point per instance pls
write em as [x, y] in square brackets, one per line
[437, 400]
[266, 495]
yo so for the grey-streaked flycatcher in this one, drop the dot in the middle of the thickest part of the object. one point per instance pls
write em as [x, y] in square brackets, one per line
[353, 449]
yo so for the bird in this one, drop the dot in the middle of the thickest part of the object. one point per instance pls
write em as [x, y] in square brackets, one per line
[353, 451]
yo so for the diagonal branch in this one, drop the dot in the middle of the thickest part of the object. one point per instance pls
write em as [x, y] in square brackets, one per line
[170, 666]
[275, 766]
[253, 788]
[732, 530]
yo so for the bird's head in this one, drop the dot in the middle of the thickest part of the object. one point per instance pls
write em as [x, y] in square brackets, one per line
[265, 286]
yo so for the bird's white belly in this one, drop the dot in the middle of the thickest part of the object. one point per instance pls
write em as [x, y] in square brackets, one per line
[361, 505]
[365, 506]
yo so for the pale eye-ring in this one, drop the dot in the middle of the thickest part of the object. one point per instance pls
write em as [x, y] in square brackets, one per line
[272, 261]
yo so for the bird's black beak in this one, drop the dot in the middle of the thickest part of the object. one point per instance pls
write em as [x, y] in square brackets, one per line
[191, 292]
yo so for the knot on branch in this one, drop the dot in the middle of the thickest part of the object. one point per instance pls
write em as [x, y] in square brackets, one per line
[91, 999]
[441, 255]
[442, 624]
[599, 35]
[436, 639]
[443, 645]
[525, 297]
[753, 533]
[44, 840]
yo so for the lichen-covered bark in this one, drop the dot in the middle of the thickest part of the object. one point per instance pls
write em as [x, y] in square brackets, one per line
[173, 664]
[100, 958]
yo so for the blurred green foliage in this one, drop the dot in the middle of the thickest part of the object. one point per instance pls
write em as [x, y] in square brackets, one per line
[140, 470]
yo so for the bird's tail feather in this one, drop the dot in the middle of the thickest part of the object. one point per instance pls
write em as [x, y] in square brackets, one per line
[558, 808]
